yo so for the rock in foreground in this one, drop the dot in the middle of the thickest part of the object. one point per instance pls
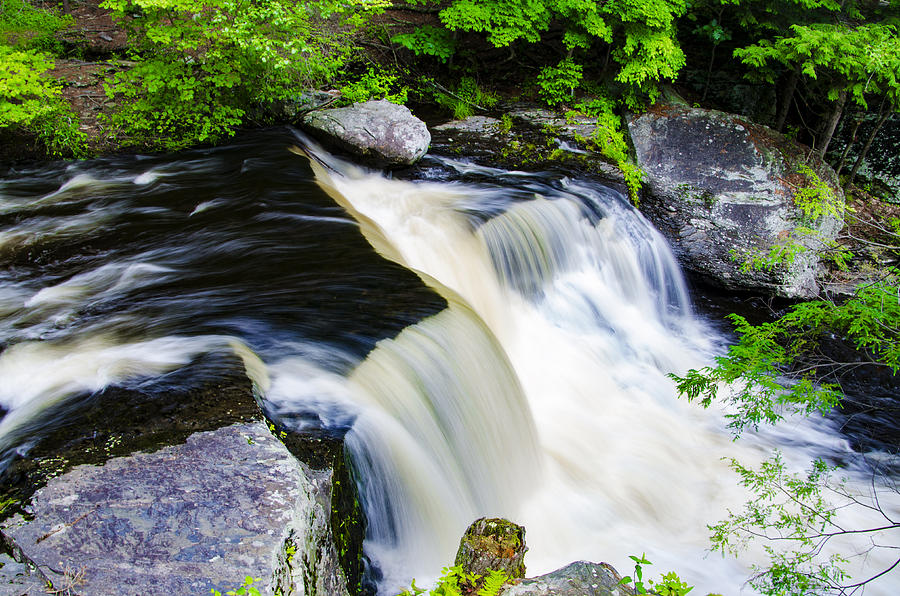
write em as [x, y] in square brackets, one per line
[493, 544]
[185, 519]
[497, 544]
[380, 132]
[721, 190]
[576, 579]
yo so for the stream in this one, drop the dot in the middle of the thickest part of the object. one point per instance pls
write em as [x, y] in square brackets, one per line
[488, 342]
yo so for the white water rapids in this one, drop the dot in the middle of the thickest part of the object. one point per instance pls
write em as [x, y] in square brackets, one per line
[540, 393]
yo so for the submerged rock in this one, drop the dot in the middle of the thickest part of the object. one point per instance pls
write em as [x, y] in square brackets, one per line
[18, 579]
[379, 131]
[226, 504]
[478, 125]
[720, 188]
[573, 127]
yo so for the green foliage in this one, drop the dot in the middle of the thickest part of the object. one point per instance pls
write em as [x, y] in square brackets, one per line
[558, 83]
[640, 35]
[26, 27]
[201, 68]
[797, 515]
[816, 198]
[464, 99]
[772, 368]
[609, 140]
[668, 585]
[246, 589]
[713, 31]
[30, 100]
[776, 368]
[428, 41]
[860, 60]
[454, 582]
[375, 84]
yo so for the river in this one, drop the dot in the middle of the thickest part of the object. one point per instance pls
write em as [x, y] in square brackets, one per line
[491, 342]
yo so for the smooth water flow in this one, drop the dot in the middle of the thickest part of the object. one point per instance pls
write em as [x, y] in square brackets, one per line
[505, 355]
[587, 303]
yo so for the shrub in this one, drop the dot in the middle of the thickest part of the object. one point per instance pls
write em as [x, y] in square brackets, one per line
[30, 101]
[202, 66]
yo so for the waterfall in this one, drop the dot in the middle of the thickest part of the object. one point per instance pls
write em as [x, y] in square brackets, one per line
[506, 354]
[541, 394]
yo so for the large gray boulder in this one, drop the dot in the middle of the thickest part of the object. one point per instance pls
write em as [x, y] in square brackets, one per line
[185, 519]
[576, 579]
[380, 132]
[721, 189]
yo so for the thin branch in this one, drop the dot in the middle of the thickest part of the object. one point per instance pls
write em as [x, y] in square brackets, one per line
[874, 577]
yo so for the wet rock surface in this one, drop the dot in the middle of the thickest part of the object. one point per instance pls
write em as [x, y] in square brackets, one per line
[185, 519]
[379, 132]
[525, 138]
[721, 189]
[493, 544]
[209, 393]
[17, 578]
[576, 579]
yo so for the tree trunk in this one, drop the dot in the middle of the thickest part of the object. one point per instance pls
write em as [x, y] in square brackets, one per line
[786, 99]
[851, 139]
[712, 58]
[882, 117]
[831, 124]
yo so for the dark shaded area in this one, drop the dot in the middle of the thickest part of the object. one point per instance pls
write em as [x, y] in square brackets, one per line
[869, 414]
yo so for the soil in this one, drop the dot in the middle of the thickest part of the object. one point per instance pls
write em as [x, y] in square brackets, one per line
[98, 41]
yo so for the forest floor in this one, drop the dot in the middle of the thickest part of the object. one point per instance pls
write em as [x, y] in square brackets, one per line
[101, 44]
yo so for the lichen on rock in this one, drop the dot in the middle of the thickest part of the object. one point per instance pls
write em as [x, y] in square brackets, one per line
[379, 132]
[493, 544]
[722, 189]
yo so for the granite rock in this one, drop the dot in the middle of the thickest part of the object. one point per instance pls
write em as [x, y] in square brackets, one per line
[185, 519]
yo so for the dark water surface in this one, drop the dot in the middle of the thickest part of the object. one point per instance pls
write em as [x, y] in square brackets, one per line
[143, 264]
[236, 240]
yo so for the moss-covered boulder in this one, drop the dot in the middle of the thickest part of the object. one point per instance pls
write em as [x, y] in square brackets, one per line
[493, 544]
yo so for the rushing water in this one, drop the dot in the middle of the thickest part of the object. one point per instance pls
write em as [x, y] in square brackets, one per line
[505, 355]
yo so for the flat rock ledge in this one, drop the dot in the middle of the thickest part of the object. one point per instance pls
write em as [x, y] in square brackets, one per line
[379, 132]
[721, 189]
[186, 519]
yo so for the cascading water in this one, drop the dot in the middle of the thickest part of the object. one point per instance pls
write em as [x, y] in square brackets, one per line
[587, 303]
[533, 386]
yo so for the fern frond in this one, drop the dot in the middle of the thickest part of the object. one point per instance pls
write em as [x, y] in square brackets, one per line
[492, 583]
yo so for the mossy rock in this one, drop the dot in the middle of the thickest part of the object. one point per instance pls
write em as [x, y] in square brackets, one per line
[493, 544]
